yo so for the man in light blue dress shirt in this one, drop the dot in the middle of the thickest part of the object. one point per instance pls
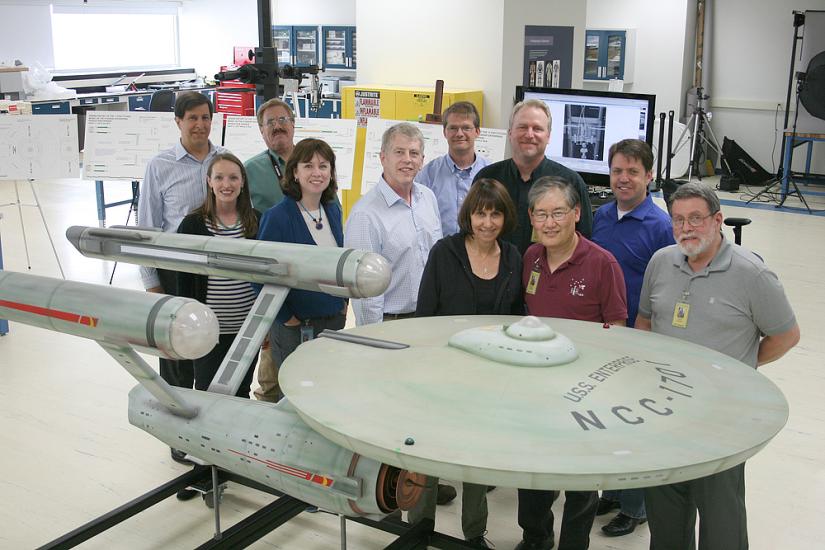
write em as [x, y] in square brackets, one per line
[398, 219]
[450, 176]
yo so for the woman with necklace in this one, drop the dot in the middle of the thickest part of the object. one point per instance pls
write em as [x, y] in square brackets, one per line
[308, 214]
[226, 212]
[473, 272]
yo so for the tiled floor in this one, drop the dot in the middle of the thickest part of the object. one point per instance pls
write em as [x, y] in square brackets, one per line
[68, 453]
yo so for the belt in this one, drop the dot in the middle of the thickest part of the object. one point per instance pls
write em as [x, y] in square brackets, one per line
[396, 316]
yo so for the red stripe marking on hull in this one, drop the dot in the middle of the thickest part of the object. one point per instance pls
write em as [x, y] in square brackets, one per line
[289, 470]
[53, 313]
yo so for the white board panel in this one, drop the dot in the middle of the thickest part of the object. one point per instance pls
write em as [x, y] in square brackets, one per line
[243, 138]
[119, 144]
[38, 147]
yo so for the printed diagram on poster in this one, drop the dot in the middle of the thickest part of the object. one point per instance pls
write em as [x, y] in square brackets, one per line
[38, 147]
[548, 57]
[243, 138]
[119, 144]
[367, 106]
[584, 127]
[491, 144]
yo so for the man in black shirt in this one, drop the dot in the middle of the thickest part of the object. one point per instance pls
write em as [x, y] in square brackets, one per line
[529, 134]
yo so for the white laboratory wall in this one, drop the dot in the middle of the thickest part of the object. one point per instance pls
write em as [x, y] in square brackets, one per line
[209, 29]
[660, 45]
[520, 13]
[414, 44]
[313, 12]
[26, 33]
[469, 44]
[751, 61]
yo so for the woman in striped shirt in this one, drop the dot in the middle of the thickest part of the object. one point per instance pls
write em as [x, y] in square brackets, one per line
[227, 212]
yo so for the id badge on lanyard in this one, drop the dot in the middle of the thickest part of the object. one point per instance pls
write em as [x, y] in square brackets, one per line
[533, 281]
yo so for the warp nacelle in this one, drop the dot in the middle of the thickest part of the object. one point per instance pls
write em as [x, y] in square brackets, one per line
[166, 326]
[342, 272]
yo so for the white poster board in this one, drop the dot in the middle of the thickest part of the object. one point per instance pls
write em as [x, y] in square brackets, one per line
[119, 144]
[490, 144]
[244, 139]
[38, 147]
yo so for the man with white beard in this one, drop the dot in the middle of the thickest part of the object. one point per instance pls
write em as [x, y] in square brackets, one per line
[716, 294]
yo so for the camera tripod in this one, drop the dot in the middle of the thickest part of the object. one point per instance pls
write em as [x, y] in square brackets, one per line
[700, 130]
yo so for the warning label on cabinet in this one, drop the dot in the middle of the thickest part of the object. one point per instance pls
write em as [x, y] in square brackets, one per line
[367, 105]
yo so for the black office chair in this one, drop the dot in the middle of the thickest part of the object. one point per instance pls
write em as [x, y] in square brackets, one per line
[737, 224]
[162, 100]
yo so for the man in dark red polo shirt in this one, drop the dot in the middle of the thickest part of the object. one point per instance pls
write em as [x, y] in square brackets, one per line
[565, 275]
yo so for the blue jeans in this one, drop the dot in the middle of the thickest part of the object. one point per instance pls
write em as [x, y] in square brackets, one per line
[632, 501]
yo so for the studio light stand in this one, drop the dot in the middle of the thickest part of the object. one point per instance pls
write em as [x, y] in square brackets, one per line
[700, 131]
[798, 21]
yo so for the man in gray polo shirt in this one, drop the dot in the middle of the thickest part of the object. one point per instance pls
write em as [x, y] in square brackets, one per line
[710, 292]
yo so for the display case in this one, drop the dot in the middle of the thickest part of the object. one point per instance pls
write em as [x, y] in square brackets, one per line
[607, 55]
[338, 47]
[297, 46]
[282, 41]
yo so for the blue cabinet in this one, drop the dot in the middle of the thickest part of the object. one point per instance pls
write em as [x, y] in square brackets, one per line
[52, 108]
[297, 46]
[329, 108]
[604, 55]
[338, 47]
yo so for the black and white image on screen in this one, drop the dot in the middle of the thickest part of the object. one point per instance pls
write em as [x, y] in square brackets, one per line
[584, 127]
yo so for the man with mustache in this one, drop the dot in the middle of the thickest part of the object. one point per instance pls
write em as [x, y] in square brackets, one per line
[276, 122]
[631, 228]
[451, 175]
[708, 291]
[529, 135]
[174, 185]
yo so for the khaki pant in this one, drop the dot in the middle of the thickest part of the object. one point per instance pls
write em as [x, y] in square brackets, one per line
[268, 376]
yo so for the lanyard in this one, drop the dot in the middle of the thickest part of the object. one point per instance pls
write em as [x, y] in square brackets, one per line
[276, 167]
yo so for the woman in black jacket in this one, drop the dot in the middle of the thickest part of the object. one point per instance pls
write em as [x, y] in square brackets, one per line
[473, 272]
[226, 212]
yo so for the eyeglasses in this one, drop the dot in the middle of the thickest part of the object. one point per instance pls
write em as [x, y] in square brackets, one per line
[557, 215]
[465, 129]
[282, 120]
[694, 220]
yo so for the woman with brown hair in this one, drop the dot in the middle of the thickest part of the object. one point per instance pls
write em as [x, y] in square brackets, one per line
[226, 212]
[308, 214]
[473, 272]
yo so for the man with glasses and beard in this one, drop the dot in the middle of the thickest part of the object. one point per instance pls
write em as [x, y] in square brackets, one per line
[716, 294]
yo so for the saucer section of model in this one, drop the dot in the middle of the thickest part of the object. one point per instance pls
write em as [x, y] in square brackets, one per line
[630, 409]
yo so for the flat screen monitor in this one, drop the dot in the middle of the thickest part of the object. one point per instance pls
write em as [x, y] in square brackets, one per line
[587, 122]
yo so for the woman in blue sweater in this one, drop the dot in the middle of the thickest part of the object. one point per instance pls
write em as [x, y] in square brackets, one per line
[308, 214]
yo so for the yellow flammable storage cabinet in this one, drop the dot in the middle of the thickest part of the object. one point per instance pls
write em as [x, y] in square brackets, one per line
[394, 103]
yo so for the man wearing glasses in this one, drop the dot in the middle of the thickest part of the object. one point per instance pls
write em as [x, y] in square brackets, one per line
[265, 170]
[565, 275]
[529, 135]
[708, 291]
[450, 176]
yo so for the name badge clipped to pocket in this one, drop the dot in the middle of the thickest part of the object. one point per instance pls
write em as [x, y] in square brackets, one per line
[680, 314]
[307, 333]
[533, 282]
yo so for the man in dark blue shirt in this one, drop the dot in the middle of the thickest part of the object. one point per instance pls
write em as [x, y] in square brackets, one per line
[631, 228]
